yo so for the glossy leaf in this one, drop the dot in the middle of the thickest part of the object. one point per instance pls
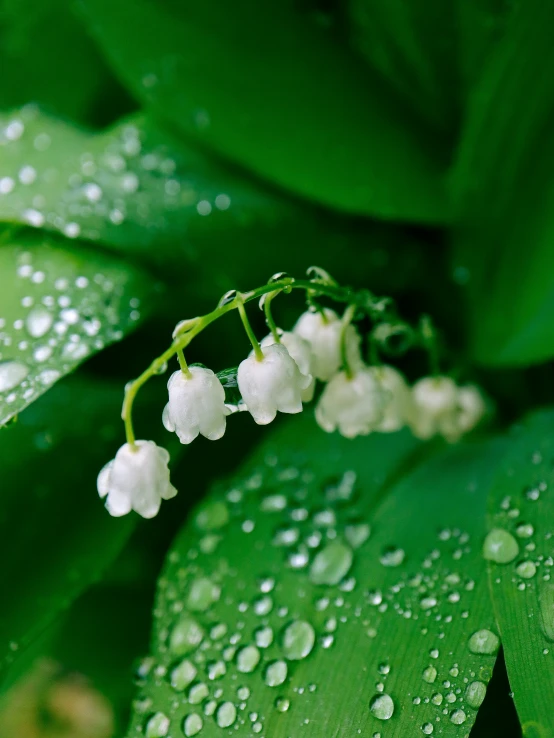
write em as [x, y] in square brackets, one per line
[56, 538]
[57, 307]
[277, 93]
[503, 184]
[328, 587]
[520, 569]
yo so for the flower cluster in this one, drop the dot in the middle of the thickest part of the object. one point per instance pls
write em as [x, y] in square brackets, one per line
[279, 375]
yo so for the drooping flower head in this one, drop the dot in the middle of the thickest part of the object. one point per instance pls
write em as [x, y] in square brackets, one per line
[196, 405]
[323, 331]
[272, 384]
[137, 479]
[398, 408]
[301, 352]
[353, 405]
[436, 406]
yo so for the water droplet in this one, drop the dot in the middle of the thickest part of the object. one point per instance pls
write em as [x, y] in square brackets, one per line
[182, 675]
[276, 673]
[500, 546]
[484, 641]
[212, 516]
[298, 640]
[227, 298]
[12, 373]
[247, 659]
[392, 556]
[382, 706]
[428, 602]
[157, 726]
[357, 534]
[186, 635]
[39, 321]
[427, 728]
[192, 724]
[475, 694]
[331, 564]
[525, 530]
[458, 717]
[203, 593]
[197, 693]
[437, 698]
[263, 637]
[216, 669]
[282, 704]
[546, 601]
[526, 569]
[226, 714]
[429, 674]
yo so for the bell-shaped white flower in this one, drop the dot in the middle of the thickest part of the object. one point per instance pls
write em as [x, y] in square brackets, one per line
[323, 330]
[271, 384]
[137, 479]
[471, 407]
[398, 409]
[301, 352]
[435, 407]
[196, 405]
[354, 404]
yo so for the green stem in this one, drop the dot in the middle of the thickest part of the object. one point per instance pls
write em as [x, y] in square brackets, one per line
[259, 354]
[269, 316]
[431, 344]
[183, 364]
[346, 320]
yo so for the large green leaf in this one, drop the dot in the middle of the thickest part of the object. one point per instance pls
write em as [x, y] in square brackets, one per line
[521, 550]
[56, 538]
[57, 307]
[503, 183]
[47, 57]
[277, 613]
[276, 92]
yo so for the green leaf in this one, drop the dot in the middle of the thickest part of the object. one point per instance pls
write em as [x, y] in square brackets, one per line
[57, 307]
[520, 568]
[503, 184]
[276, 610]
[277, 93]
[47, 57]
[55, 536]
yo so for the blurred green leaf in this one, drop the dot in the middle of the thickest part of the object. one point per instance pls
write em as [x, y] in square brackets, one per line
[522, 514]
[57, 307]
[47, 57]
[503, 184]
[55, 536]
[323, 570]
[139, 190]
[276, 92]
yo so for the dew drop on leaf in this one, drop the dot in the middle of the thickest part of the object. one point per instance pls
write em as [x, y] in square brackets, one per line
[382, 706]
[226, 714]
[458, 717]
[157, 726]
[192, 724]
[500, 546]
[186, 635]
[247, 659]
[12, 373]
[475, 694]
[276, 673]
[484, 642]
[546, 600]
[298, 640]
[526, 569]
[429, 674]
[182, 675]
[331, 564]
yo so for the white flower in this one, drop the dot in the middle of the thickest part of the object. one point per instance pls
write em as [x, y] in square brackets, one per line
[137, 479]
[435, 407]
[399, 405]
[272, 384]
[323, 333]
[301, 352]
[471, 407]
[196, 405]
[353, 405]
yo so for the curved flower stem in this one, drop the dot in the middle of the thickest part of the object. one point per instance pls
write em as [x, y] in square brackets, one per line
[183, 335]
[430, 343]
[259, 354]
[271, 324]
[183, 364]
[346, 320]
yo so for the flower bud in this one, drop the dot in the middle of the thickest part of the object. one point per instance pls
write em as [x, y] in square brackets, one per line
[353, 405]
[272, 384]
[196, 405]
[137, 479]
[435, 407]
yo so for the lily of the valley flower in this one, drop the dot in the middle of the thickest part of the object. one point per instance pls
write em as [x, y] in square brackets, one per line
[436, 407]
[196, 405]
[274, 383]
[323, 330]
[398, 409]
[301, 352]
[137, 479]
[471, 407]
[354, 404]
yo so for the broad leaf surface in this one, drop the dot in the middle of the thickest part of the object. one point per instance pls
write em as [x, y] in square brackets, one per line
[504, 187]
[522, 509]
[279, 94]
[57, 307]
[56, 538]
[276, 612]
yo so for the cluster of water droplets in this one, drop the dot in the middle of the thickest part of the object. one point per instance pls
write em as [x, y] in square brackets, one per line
[521, 540]
[90, 187]
[53, 316]
[240, 641]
